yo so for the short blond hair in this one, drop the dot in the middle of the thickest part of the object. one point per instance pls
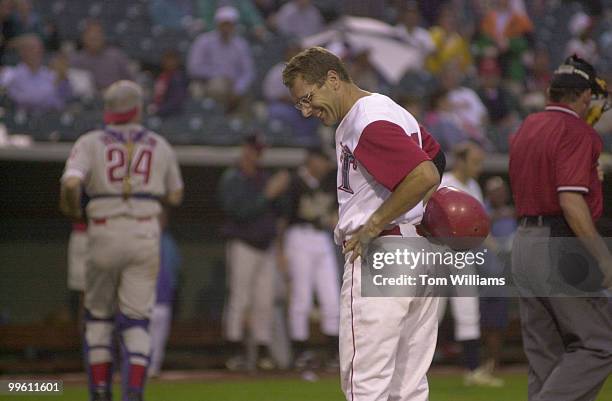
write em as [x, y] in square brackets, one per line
[312, 65]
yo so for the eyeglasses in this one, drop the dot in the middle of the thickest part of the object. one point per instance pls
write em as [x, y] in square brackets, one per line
[304, 101]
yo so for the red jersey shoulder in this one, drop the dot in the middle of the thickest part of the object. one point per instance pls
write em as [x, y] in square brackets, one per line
[430, 145]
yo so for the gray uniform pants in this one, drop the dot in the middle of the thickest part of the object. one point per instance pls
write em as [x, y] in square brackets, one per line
[568, 341]
[251, 292]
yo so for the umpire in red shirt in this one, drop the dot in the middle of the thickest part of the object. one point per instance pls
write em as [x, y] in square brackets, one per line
[557, 193]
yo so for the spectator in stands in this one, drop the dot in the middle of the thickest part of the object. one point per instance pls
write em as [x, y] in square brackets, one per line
[413, 104]
[8, 25]
[442, 123]
[450, 46]
[299, 18]
[268, 9]
[281, 106]
[361, 70]
[31, 85]
[81, 81]
[249, 196]
[107, 64]
[222, 59]
[170, 90]
[491, 92]
[508, 29]
[430, 10]
[534, 97]
[415, 36]
[468, 110]
[51, 36]
[582, 44]
[27, 20]
[498, 101]
[248, 15]
[540, 74]
[361, 8]
[171, 14]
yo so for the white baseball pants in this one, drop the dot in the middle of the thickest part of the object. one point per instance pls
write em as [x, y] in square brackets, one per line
[466, 316]
[159, 328]
[386, 344]
[313, 268]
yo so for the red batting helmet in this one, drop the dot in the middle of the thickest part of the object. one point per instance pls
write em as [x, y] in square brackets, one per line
[456, 218]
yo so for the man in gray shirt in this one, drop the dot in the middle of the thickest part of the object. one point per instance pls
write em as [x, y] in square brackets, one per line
[299, 18]
[222, 60]
[106, 64]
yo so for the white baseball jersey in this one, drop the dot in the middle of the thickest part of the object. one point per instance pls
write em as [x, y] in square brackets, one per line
[100, 159]
[472, 187]
[378, 143]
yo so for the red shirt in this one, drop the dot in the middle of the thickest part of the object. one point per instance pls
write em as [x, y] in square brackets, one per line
[554, 151]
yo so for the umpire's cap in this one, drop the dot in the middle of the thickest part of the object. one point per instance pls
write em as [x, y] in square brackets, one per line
[576, 73]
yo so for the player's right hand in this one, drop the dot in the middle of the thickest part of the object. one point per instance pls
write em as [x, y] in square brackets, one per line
[277, 184]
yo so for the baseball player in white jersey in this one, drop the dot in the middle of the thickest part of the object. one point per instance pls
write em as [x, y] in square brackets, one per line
[465, 309]
[384, 176]
[311, 256]
[126, 170]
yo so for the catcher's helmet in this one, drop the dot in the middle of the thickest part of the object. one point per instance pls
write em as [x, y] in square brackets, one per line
[578, 73]
[456, 219]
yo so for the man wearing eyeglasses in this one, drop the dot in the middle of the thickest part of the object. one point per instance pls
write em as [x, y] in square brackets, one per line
[384, 174]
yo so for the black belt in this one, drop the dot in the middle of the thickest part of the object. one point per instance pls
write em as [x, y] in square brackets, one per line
[540, 221]
[136, 195]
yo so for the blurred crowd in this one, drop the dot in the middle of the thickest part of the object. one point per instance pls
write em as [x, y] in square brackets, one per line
[475, 66]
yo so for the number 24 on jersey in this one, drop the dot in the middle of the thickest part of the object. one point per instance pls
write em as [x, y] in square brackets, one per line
[117, 164]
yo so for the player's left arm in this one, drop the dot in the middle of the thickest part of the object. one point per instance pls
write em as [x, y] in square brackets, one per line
[400, 165]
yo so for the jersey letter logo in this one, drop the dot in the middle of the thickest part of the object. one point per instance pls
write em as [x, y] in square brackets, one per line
[348, 160]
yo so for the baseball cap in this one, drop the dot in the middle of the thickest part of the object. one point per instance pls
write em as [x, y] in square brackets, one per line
[226, 14]
[579, 74]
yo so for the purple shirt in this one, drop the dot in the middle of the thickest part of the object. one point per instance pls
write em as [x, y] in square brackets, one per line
[211, 57]
[35, 90]
[107, 66]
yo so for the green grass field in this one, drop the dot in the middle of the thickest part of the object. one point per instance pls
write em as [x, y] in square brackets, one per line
[443, 388]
